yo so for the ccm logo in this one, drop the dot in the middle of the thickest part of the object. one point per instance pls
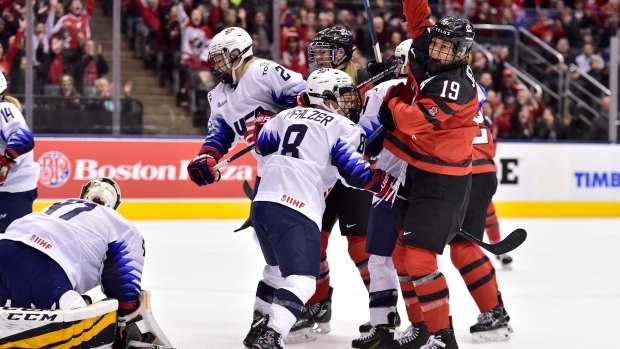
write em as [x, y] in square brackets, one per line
[31, 317]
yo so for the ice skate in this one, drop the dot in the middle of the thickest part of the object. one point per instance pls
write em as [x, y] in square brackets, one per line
[443, 339]
[302, 329]
[378, 337]
[322, 313]
[258, 322]
[365, 328]
[414, 337]
[492, 326]
[269, 339]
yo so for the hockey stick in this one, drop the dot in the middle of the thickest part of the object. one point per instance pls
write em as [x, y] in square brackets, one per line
[137, 344]
[512, 241]
[371, 29]
[374, 135]
[234, 157]
[247, 190]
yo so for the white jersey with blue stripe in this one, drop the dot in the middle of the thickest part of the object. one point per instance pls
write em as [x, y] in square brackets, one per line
[87, 240]
[303, 147]
[265, 87]
[16, 136]
[370, 122]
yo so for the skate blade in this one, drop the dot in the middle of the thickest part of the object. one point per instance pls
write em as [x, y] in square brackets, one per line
[322, 328]
[501, 334]
[300, 336]
[510, 330]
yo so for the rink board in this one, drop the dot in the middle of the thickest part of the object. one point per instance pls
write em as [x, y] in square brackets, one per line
[535, 179]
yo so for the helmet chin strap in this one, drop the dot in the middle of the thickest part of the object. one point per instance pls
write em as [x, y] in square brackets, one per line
[329, 107]
[233, 69]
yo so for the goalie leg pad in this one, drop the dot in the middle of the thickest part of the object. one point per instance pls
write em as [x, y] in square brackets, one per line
[84, 328]
[140, 326]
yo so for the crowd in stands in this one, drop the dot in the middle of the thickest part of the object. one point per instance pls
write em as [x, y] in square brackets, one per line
[173, 36]
[67, 62]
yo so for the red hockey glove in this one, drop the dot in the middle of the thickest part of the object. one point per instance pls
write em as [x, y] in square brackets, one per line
[401, 91]
[201, 170]
[303, 100]
[6, 162]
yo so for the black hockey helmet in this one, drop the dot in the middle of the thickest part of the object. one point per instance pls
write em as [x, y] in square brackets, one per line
[331, 39]
[457, 31]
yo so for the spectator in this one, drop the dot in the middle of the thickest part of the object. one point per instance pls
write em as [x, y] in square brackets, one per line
[571, 28]
[54, 63]
[547, 29]
[4, 34]
[587, 57]
[553, 71]
[195, 36]
[40, 41]
[6, 58]
[88, 65]
[232, 18]
[599, 130]
[55, 13]
[67, 89]
[265, 38]
[294, 58]
[522, 126]
[509, 88]
[486, 81]
[483, 13]
[76, 24]
[18, 77]
[549, 127]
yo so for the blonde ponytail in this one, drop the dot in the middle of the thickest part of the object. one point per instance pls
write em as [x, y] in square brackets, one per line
[351, 70]
[14, 101]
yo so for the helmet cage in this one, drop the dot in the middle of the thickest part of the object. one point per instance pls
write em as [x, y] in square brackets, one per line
[348, 99]
[223, 69]
[97, 197]
[318, 62]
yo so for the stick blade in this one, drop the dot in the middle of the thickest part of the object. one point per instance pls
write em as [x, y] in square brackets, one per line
[247, 189]
[512, 241]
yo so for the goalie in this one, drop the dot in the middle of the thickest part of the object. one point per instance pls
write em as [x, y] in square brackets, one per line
[49, 258]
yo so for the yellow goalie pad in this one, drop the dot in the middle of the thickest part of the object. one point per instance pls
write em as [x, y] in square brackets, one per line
[90, 327]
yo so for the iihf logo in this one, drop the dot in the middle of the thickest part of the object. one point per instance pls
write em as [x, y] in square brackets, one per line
[55, 169]
[283, 198]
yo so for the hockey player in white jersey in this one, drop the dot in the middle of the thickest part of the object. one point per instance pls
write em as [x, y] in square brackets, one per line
[249, 87]
[49, 258]
[383, 230]
[18, 188]
[305, 149]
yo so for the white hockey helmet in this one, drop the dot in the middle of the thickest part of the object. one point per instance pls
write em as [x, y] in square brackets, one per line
[3, 83]
[402, 54]
[103, 191]
[227, 47]
[335, 85]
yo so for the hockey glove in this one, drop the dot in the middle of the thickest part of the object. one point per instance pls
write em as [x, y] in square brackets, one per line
[6, 162]
[386, 68]
[259, 122]
[385, 114]
[383, 184]
[401, 91]
[303, 100]
[201, 170]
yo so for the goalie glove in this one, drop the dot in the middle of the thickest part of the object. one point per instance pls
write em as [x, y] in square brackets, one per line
[6, 162]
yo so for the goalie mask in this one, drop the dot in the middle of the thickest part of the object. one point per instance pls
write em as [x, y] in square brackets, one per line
[323, 50]
[228, 47]
[450, 42]
[334, 85]
[103, 191]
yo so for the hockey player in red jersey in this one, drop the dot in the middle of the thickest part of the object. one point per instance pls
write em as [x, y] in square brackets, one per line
[474, 266]
[431, 126]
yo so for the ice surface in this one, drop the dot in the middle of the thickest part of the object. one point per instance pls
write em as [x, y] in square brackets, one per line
[563, 291]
